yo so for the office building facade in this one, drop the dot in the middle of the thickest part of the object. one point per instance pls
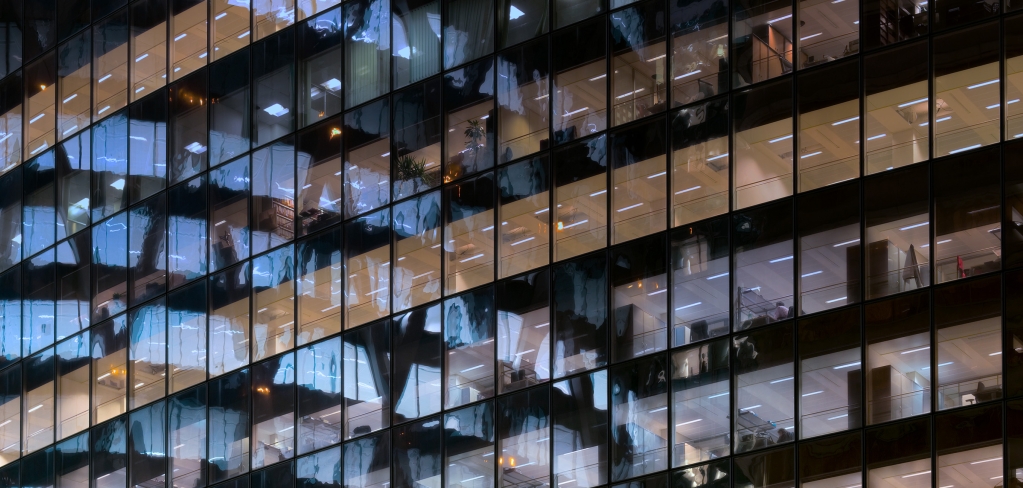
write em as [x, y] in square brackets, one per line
[511, 243]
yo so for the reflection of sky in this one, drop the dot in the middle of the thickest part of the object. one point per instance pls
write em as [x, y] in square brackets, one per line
[148, 338]
[319, 366]
[188, 339]
[321, 466]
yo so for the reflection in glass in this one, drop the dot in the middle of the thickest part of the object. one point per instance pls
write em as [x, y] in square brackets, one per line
[147, 258]
[834, 461]
[109, 166]
[580, 315]
[469, 446]
[230, 118]
[40, 105]
[762, 131]
[188, 437]
[523, 331]
[700, 396]
[319, 199]
[639, 395]
[639, 299]
[72, 462]
[710, 475]
[580, 430]
[319, 66]
[469, 233]
[898, 232]
[580, 81]
[319, 395]
[229, 213]
[764, 388]
[110, 65]
[830, 373]
[367, 159]
[700, 164]
[699, 50]
[521, 22]
[523, 435]
[273, 196]
[766, 469]
[187, 124]
[38, 403]
[273, 82]
[147, 353]
[469, 337]
[417, 137]
[829, 129]
[10, 414]
[108, 453]
[761, 40]
[966, 89]
[580, 195]
[468, 31]
[639, 62]
[273, 410]
[469, 98]
[109, 369]
[188, 34]
[229, 319]
[762, 240]
[967, 225]
[367, 379]
[417, 47]
[273, 299]
[10, 121]
[699, 267]
[148, 47]
[898, 358]
[367, 264]
[319, 469]
[524, 213]
[73, 76]
[968, 319]
[186, 318]
[148, 445]
[896, 129]
[417, 251]
[639, 181]
[416, 457]
[367, 50]
[523, 86]
[320, 274]
[229, 426]
[417, 364]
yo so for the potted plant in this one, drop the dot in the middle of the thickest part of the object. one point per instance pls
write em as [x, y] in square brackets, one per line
[475, 134]
[408, 168]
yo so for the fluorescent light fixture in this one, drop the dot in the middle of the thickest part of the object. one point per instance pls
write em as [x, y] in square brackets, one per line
[916, 350]
[480, 255]
[243, 34]
[221, 15]
[688, 190]
[689, 422]
[719, 395]
[276, 110]
[945, 364]
[914, 102]
[836, 300]
[947, 117]
[987, 460]
[683, 307]
[180, 37]
[840, 122]
[662, 173]
[658, 410]
[843, 366]
[811, 154]
[384, 155]
[658, 292]
[105, 78]
[921, 224]
[541, 97]
[630, 207]
[332, 84]
[37, 407]
[485, 117]
[812, 273]
[811, 36]
[195, 148]
[989, 107]
[986, 83]
[542, 210]
[782, 380]
[568, 114]
[999, 353]
[630, 93]
[595, 78]
[1014, 100]
[691, 73]
[218, 224]
[917, 474]
[514, 12]
[139, 89]
[813, 393]
[846, 243]
[786, 258]
[140, 58]
[717, 276]
[715, 158]
[967, 148]
[523, 240]
[66, 132]
[581, 222]
[871, 138]
[656, 58]
[924, 124]
[601, 192]
[944, 241]
[72, 97]
[782, 138]
[203, 55]
[751, 407]
[779, 18]
[478, 366]
[331, 308]
[487, 228]
[37, 117]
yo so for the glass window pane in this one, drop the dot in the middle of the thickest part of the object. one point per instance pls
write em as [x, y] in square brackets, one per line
[468, 31]
[580, 82]
[829, 248]
[830, 373]
[639, 298]
[469, 446]
[110, 166]
[900, 451]
[272, 16]
[834, 461]
[518, 23]
[319, 177]
[524, 213]
[367, 50]
[229, 114]
[319, 66]
[229, 413]
[762, 241]
[967, 224]
[229, 213]
[39, 307]
[148, 47]
[273, 82]
[417, 365]
[469, 233]
[147, 257]
[147, 145]
[188, 30]
[762, 40]
[74, 108]
[10, 220]
[469, 333]
[73, 282]
[367, 462]
[898, 232]
[764, 406]
[38, 401]
[273, 298]
[416, 456]
[367, 375]
[639, 178]
[148, 445]
[1013, 76]
[40, 94]
[230, 27]
[580, 193]
[186, 313]
[766, 469]
[229, 319]
[109, 448]
[187, 231]
[708, 475]
[969, 446]
[639, 62]
[39, 214]
[969, 359]
[319, 395]
[367, 264]
[10, 413]
[523, 86]
[110, 64]
[320, 277]
[188, 438]
[821, 38]
[699, 51]
[147, 353]
[885, 23]
[308, 8]
[310, 469]
[10, 121]
[523, 436]
[966, 89]
[72, 462]
[367, 158]
[700, 398]
[109, 368]
[469, 100]
[762, 131]
[273, 410]
[416, 41]
[417, 138]
[639, 394]
[700, 162]
[896, 130]
[523, 321]
[73, 188]
[898, 358]
[580, 315]
[699, 267]
[829, 128]
[273, 195]
[417, 243]
[580, 430]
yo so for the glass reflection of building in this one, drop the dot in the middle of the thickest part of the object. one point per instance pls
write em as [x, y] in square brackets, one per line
[511, 243]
